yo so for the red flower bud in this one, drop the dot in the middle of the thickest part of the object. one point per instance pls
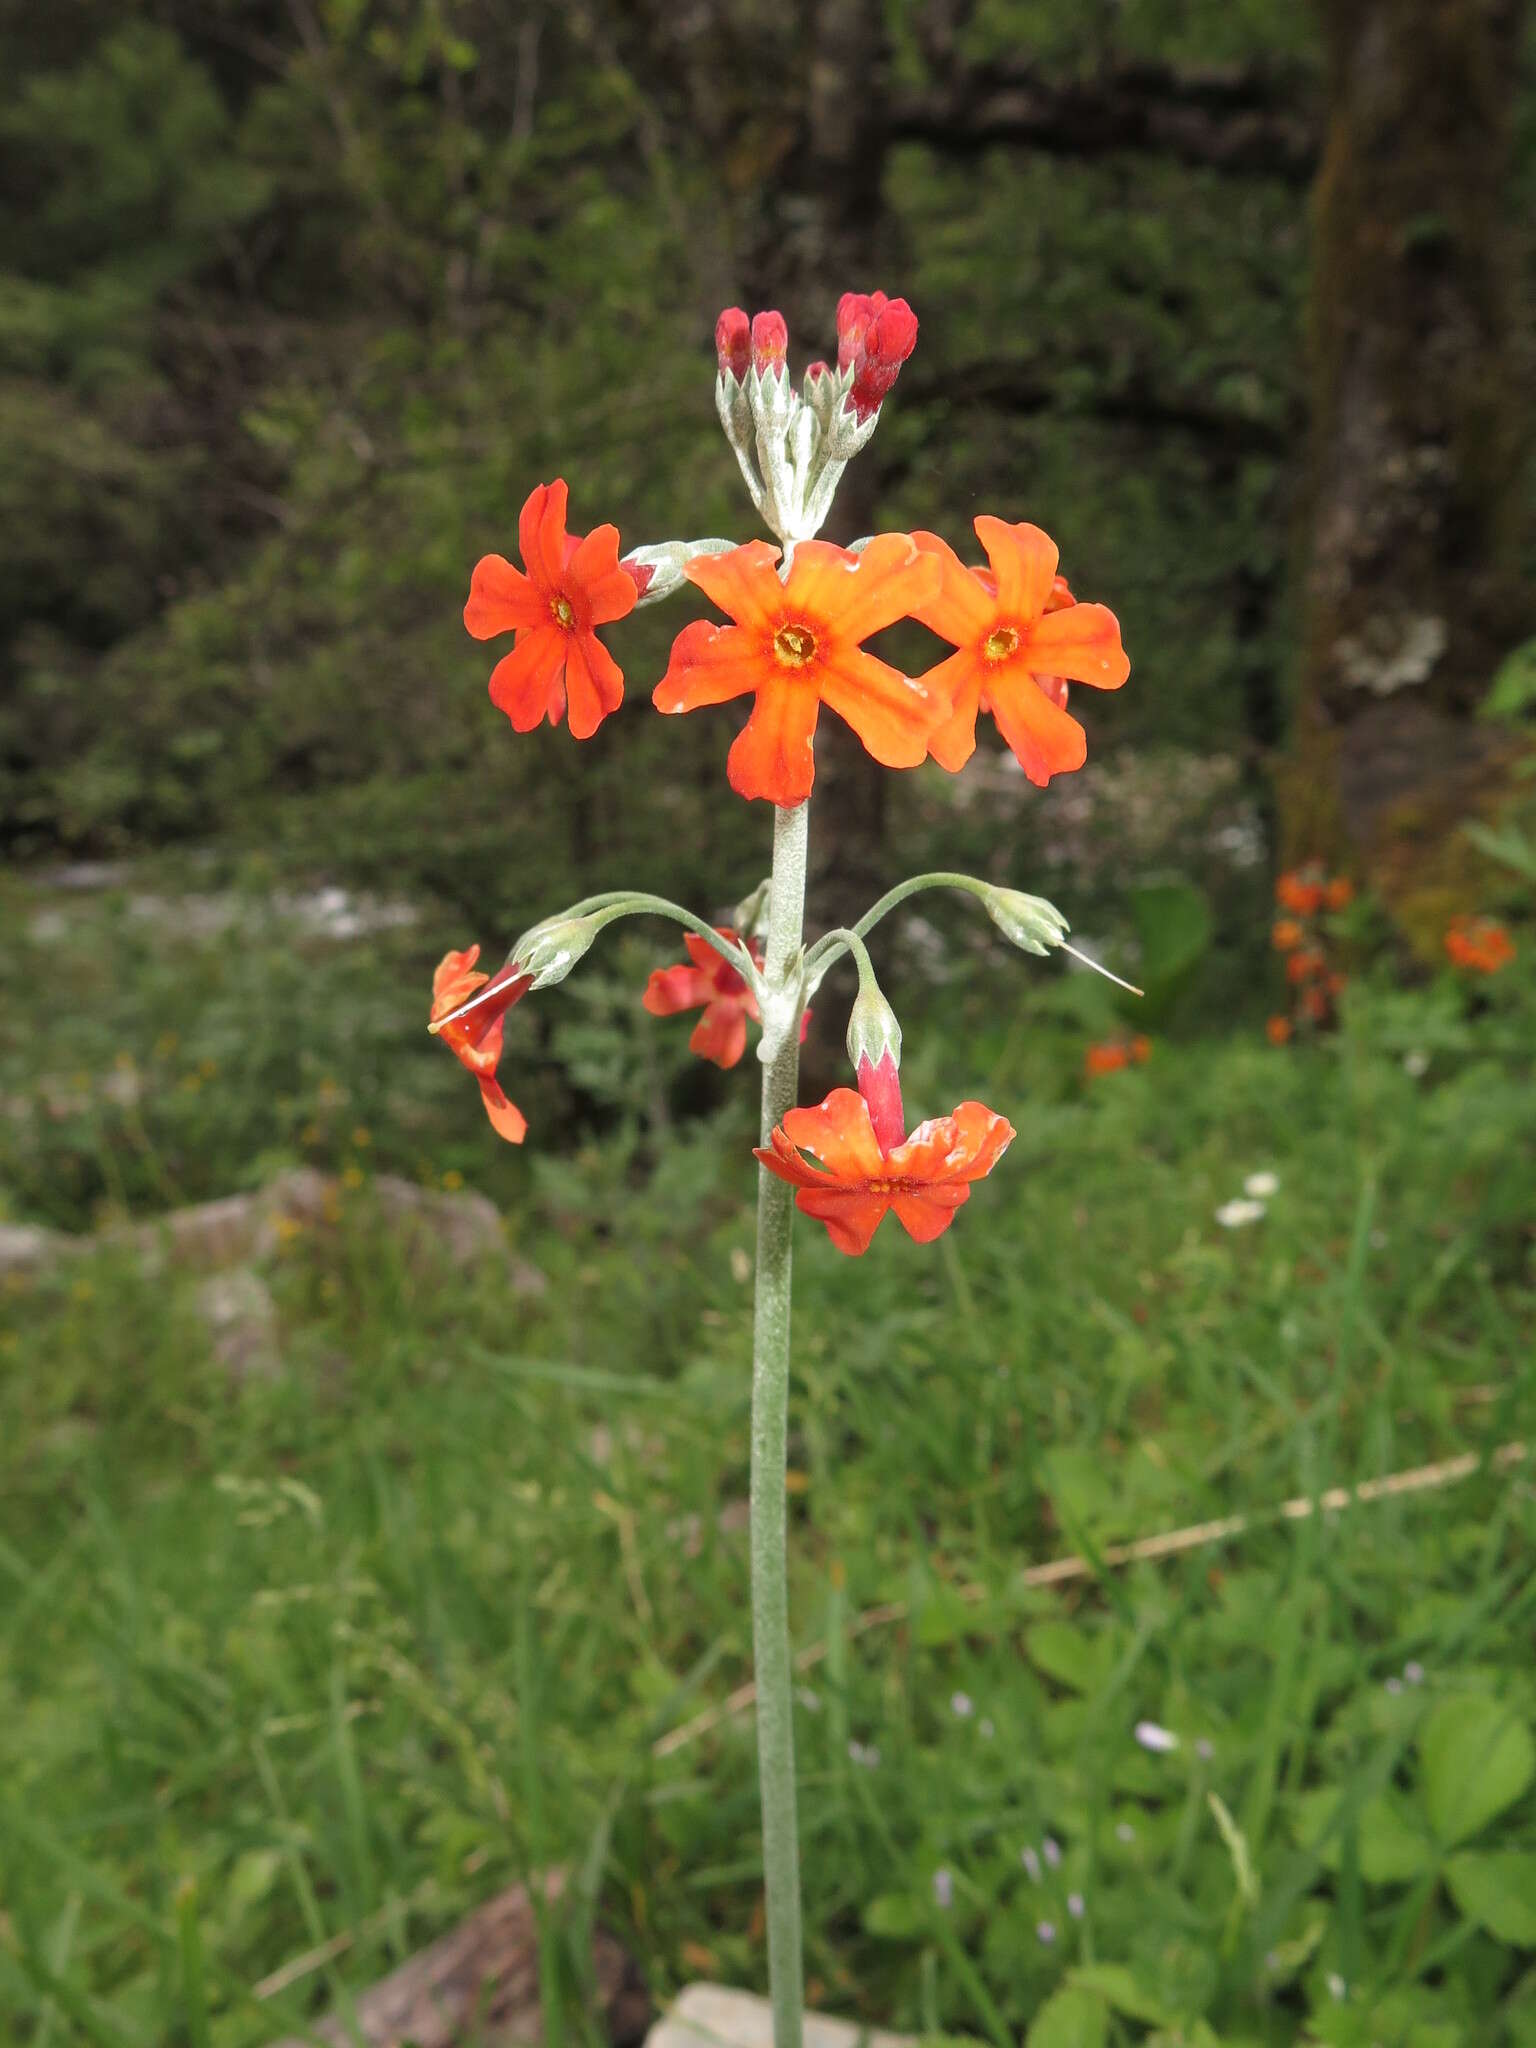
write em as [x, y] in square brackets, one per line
[733, 343]
[888, 341]
[856, 311]
[770, 344]
[880, 1086]
[814, 372]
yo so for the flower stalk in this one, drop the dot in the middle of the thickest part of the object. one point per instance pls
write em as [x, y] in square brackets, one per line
[770, 1431]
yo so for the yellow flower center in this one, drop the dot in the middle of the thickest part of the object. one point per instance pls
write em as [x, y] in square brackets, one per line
[793, 646]
[999, 645]
[563, 615]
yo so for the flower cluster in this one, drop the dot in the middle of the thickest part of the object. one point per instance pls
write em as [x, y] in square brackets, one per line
[796, 619]
[1305, 895]
[1478, 945]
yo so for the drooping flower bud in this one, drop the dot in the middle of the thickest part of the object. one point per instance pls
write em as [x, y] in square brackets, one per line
[770, 344]
[550, 950]
[1028, 922]
[733, 343]
[886, 344]
[874, 1047]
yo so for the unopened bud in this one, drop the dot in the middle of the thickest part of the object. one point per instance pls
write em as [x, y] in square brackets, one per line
[770, 344]
[856, 311]
[733, 343]
[1028, 922]
[887, 343]
[550, 950]
[873, 1031]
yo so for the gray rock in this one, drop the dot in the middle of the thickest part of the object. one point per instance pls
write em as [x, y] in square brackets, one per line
[242, 1323]
[714, 2016]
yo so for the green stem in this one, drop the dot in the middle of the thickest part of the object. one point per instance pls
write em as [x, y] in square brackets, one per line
[770, 1428]
[833, 944]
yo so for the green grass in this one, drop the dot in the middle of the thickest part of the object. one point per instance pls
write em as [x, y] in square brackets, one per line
[337, 1656]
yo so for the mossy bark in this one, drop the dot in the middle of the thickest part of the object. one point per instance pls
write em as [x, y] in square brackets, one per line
[1420, 423]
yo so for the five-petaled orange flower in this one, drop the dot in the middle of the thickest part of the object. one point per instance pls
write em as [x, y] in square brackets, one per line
[925, 1178]
[571, 587]
[475, 1039]
[795, 645]
[1301, 892]
[1479, 943]
[1019, 634]
[708, 981]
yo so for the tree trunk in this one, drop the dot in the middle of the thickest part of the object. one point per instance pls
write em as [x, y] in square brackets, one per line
[1418, 425]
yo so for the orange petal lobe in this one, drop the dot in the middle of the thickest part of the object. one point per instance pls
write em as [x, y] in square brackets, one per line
[541, 534]
[852, 1217]
[1081, 642]
[1045, 740]
[742, 583]
[963, 609]
[522, 682]
[500, 599]
[709, 665]
[594, 683]
[721, 1033]
[1024, 562]
[507, 1120]
[772, 757]
[893, 715]
[839, 1132]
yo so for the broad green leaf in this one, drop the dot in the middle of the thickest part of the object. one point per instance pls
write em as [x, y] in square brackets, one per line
[1477, 1758]
[1072, 1656]
[1173, 924]
[1072, 2018]
[1119, 1987]
[1393, 1843]
[1497, 1889]
[895, 1917]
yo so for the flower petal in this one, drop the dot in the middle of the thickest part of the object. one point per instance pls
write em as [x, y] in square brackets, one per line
[671, 989]
[891, 713]
[963, 610]
[541, 534]
[839, 1132]
[772, 756]
[522, 681]
[709, 665]
[984, 1138]
[1044, 738]
[1081, 642]
[606, 592]
[856, 595]
[743, 583]
[953, 741]
[507, 1120]
[851, 1215]
[594, 683]
[1024, 562]
[927, 1214]
[500, 599]
[782, 1159]
[453, 979]
[721, 1033]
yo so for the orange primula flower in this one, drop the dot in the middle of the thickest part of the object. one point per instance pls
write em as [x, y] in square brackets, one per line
[571, 587]
[1299, 892]
[1339, 893]
[1285, 935]
[1278, 1030]
[475, 1039]
[721, 1033]
[1306, 966]
[1480, 944]
[796, 646]
[1020, 637]
[925, 1178]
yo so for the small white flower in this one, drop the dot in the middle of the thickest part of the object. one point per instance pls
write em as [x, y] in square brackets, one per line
[1413, 1671]
[1337, 1988]
[741, 1264]
[1124, 1832]
[1150, 1736]
[943, 1889]
[1262, 1185]
[1415, 1064]
[1031, 1863]
[865, 1758]
[1235, 1214]
[1046, 1931]
[1052, 1850]
[1075, 1905]
[961, 1705]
